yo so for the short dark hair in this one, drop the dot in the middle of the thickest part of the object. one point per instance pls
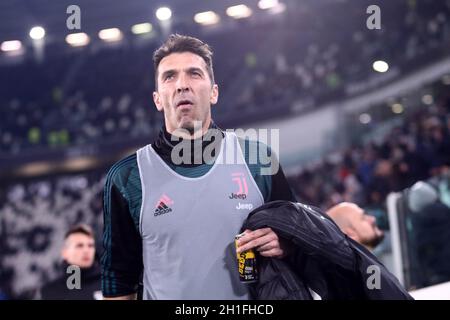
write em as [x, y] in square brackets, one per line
[80, 228]
[177, 43]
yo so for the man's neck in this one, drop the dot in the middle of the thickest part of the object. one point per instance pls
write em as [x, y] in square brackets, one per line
[165, 142]
[196, 132]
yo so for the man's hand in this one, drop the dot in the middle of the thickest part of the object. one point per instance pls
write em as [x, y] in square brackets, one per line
[264, 240]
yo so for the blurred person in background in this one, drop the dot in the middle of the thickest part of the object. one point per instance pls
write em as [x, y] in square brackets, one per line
[429, 225]
[356, 224]
[78, 250]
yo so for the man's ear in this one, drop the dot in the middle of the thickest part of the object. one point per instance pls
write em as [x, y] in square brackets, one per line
[214, 94]
[350, 232]
[64, 253]
[157, 101]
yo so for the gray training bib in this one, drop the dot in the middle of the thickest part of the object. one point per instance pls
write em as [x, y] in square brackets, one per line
[188, 225]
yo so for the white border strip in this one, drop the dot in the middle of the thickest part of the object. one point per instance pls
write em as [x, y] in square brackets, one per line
[391, 202]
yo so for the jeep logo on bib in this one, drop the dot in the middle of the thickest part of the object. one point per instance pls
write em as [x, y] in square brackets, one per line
[242, 191]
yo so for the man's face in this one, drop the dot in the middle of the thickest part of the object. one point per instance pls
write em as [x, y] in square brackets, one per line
[185, 92]
[365, 228]
[79, 249]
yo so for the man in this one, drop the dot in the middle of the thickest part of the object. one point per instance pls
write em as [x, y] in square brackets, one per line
[171, 210]
[356, 224]
[78, 251]
[428, 236]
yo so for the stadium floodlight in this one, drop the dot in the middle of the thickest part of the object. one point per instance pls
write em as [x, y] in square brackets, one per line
[142, 28]
[380, 66]
[279, 8]
[37, 33]
[77, 39]
[11, 45]
[267, 4]
[365, 118]
[397, 108]
[239, 11]
[427, 99]
[110, 35]
[207, 18]
[163, 13]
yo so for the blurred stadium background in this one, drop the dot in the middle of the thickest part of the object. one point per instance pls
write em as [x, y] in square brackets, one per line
[362, 113]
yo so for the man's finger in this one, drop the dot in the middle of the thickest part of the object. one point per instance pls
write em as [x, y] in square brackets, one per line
[252, 235]
[274, 253]
[257, 242]
[268, 246]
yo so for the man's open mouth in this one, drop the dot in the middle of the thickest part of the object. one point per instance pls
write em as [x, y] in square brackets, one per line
[183, 103]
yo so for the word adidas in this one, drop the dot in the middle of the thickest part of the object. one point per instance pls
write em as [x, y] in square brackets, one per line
[160, 211]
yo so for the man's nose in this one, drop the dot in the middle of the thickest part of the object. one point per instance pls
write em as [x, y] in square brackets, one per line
[182, 84]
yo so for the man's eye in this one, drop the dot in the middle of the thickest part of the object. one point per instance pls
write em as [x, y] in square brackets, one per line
[168, 77]
[196, 74]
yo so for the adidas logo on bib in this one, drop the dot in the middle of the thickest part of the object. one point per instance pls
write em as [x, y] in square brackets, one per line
[162, 206]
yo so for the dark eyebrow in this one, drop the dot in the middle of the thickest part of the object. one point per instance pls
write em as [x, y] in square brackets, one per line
[167, 73]
[193, 69]
[172, 72]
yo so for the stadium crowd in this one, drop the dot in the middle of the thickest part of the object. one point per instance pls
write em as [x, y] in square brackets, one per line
[87, 96]
[79, 97]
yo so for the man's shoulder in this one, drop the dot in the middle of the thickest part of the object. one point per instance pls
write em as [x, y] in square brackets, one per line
[58, 289]
[251, 142]
[121, 171]
[54, 288]
[257, 154]
[255, 147]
